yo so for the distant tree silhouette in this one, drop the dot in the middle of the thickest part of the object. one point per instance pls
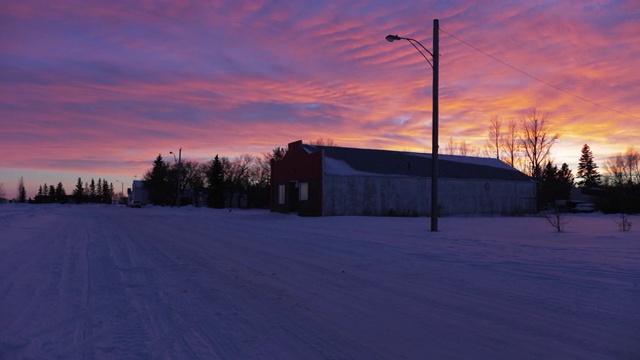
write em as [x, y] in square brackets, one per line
[78, 192]
[60, 193]
[158, 184]
[323, 142]
[536, 141]
[22, 192]
[215, 182]
[587, 169]
[106, 195]
[3, 192]
[99, 191]
[495, 137]
[92, 191]
[192, 179]
[555, 184]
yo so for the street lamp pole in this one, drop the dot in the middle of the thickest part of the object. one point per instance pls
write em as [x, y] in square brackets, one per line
[435, 56]
[179, 174]
[121, 191]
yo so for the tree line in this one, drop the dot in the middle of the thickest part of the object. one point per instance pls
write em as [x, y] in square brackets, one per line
[243, 181]
[526, 143]
[240, 182]
[97, 193]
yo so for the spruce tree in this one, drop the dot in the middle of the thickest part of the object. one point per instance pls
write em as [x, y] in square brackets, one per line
[92, 191]
[106, 192]
[99, 191]
[555, 184]
[215, 179]
[61, 195]
[587, 169]
[157, 182]
[78, 192]
[22, 191]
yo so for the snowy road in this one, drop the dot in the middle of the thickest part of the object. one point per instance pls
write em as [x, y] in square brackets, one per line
[108, 282]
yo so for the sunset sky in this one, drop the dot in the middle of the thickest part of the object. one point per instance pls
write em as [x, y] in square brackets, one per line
[97, 89]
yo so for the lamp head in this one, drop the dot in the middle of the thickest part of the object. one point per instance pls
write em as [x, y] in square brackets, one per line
[392, 38]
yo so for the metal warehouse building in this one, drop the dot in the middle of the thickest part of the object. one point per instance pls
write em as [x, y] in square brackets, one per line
[317, 180]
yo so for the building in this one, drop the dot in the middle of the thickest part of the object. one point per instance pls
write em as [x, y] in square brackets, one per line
[138, 193]
[314, 180]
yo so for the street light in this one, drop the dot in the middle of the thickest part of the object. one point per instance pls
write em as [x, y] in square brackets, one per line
[121, 191]
[179, 173]
[435, 65]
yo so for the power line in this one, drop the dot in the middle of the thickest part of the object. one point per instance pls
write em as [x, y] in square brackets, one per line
[538, 79]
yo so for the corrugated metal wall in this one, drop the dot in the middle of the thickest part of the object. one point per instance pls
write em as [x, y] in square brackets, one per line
[411, 196]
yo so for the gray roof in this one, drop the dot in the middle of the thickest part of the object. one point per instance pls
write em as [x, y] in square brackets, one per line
[386, 162]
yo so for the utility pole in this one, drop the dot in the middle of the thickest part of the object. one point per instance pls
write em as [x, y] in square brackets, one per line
[434, 176]
[435, 55]
[179, 177]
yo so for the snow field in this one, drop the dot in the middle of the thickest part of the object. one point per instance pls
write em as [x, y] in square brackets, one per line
[109, 282]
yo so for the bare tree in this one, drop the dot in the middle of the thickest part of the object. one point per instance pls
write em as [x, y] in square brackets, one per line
[192, 177]
[555, 218]
[451, 148]
[464, 149]
[495, 137]
[461, 147]
[510, 143]
[323, 142]
[624, 224]
[536, 141]
[624, 168]
[3, 192]
[237, 173]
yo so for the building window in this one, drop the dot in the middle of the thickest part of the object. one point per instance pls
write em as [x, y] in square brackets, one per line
[303, 191]
[281, 189]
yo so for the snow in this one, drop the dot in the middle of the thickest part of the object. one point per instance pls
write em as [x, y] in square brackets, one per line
[340, 167]
[109, 282]
[484, 161]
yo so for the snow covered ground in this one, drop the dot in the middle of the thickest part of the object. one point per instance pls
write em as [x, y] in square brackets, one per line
[109, 282]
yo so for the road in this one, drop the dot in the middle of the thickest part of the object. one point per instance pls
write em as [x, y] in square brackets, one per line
[108, 282]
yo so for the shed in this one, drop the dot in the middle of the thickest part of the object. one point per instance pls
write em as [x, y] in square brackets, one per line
[314, 180]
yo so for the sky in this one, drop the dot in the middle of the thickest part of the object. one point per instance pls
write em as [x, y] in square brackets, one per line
[97, 89]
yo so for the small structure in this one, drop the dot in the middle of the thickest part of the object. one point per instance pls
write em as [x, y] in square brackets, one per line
[317, 180]
[138, 193]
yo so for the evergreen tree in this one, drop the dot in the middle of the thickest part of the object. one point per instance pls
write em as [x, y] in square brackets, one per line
[78, 192]
[587, 169]
[40, 191]
[52, 193]
[215, 179]
[555, 184]
[158, 182]
[99, 191]
[92, 191]
[106, 192]
[22, 191]
[112, 193]
[45, 190]
[60, 193]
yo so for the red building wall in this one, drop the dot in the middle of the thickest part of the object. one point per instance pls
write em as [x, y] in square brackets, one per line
[296, 167]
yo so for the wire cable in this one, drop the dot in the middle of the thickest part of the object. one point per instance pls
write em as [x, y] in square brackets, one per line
[538, 79]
